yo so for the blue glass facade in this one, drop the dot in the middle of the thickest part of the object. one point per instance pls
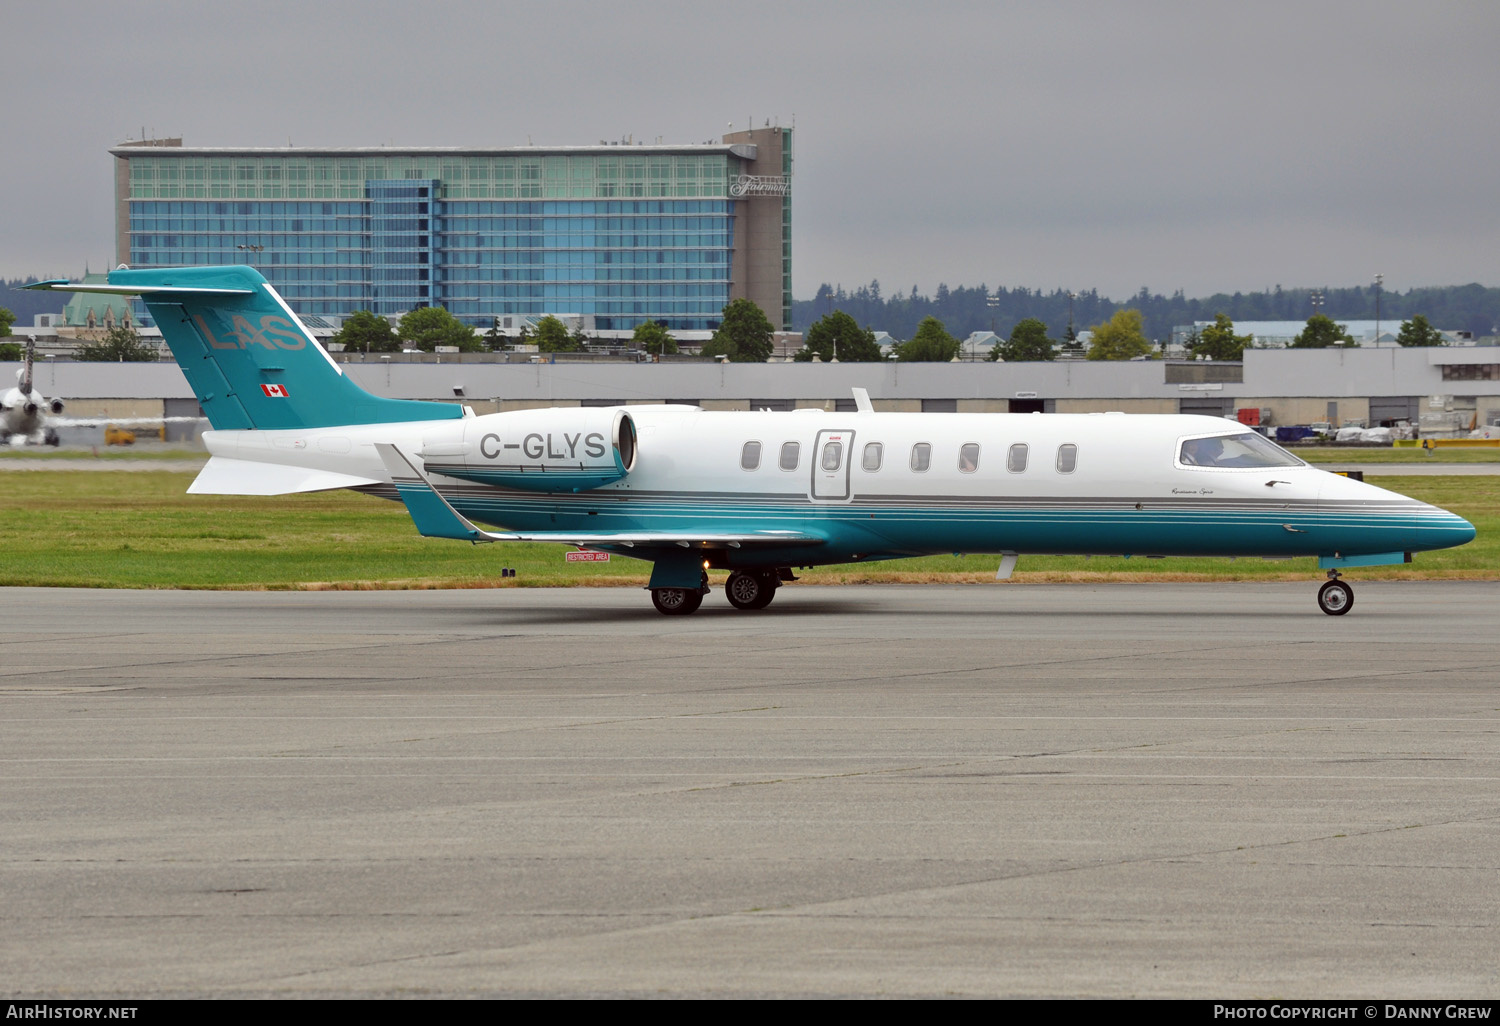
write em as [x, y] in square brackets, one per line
[624, 261]
[621, 237]
[403, 258]
[316, 254]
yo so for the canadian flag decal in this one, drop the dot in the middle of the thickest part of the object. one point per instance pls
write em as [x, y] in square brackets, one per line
[274, 391]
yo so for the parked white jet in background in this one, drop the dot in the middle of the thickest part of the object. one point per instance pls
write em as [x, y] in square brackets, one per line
[24, 412]
[756, 494]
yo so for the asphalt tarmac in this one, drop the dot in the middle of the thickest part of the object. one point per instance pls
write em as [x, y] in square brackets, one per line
[1124, 790]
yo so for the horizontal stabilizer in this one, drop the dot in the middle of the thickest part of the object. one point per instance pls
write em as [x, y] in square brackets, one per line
[225, 476]
[63, 285]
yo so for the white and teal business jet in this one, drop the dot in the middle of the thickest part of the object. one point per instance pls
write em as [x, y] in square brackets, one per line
[755, 493]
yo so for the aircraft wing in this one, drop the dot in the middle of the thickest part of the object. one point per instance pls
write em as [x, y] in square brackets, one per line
[436, 518]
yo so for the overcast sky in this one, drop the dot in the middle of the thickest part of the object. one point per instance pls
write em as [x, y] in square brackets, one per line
[1200, 146]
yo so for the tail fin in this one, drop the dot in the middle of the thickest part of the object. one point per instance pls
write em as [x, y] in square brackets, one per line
[249, 360]
[23, 382]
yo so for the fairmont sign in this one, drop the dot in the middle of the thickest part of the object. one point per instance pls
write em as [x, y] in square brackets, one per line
[761, 185]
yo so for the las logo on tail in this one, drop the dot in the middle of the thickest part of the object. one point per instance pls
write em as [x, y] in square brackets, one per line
[755, 493]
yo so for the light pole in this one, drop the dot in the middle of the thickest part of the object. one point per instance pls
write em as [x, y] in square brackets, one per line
[1316, 298]
[1378, 279]
[257, 250]
[993, 302]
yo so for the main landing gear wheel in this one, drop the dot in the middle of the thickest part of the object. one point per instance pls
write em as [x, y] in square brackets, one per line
[751, 591]
[1335, 598]
[676, 601]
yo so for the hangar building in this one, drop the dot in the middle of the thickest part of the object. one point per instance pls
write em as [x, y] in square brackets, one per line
[1443, 390]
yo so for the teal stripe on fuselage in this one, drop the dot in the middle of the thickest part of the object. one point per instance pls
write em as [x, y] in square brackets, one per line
[886, 528]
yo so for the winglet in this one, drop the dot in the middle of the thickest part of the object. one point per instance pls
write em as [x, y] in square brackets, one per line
[432, 514]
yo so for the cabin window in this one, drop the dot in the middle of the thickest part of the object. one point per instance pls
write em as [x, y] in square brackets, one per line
[1067, 458]
[968, 458]
[789, 453]
[873, 452]
[1015, 460]
[750, 456]
[921, 457]
[1245, 450]
[833, 455]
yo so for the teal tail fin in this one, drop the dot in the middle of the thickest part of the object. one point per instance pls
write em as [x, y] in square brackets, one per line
[249, 360]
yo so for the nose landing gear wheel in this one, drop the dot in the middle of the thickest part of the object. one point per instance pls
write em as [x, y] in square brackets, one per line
[1335, 598]
[676, 601]
[750, 591]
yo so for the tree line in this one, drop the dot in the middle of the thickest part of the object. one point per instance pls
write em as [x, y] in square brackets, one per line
[745, 334]
[1121, 336]
[1473, 308]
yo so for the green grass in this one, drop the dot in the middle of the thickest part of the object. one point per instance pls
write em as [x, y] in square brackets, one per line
[128, 452]
[140, 530]
[1334, 454]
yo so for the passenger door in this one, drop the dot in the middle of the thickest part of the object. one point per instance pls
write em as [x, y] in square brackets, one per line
[830, 464]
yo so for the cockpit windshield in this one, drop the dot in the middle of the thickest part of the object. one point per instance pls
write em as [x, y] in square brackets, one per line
[1241, 450]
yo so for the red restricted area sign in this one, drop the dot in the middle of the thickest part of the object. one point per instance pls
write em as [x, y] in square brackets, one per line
[587, 557]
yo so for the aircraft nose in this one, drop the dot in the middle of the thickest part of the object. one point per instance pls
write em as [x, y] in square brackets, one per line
[1455, 530]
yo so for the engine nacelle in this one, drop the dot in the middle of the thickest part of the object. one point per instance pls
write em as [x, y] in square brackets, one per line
[552, 450]
[56, 406]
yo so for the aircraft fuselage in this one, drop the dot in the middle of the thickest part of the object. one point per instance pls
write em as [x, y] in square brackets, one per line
[884, 485]
[755, 493]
